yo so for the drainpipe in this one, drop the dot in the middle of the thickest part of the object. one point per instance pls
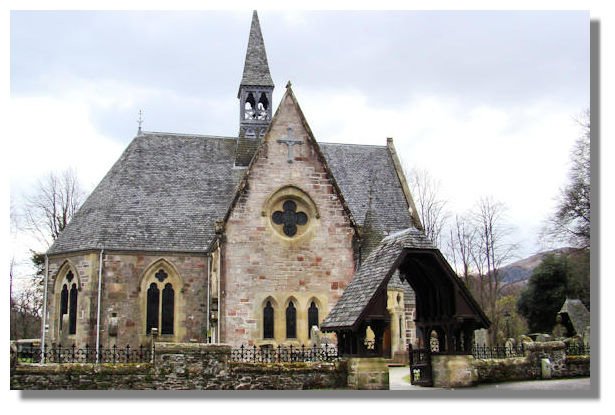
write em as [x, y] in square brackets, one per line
[43, 326]
[207, 328]
[100, 259]
[218, 334]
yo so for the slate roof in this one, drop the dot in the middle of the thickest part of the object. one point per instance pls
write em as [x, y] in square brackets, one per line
[375, 271]
[577, 313]
[359, 168]
[163, 194]
[166, 192]
[256, 67]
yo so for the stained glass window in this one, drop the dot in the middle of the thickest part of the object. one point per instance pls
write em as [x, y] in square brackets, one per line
[289, 218]
[268, 321]
[153, 300]
[168, 307]
[312, 318]
[72, 310]
[291, 321]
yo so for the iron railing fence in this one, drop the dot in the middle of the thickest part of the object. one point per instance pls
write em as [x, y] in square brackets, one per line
[497, 352]
[86, 354]
[284, 354]
[578, 350]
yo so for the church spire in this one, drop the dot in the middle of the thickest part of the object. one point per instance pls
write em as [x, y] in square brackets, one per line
[255, 96]
[256, 69]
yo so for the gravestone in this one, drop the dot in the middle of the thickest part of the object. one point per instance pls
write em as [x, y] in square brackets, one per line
[546, 368]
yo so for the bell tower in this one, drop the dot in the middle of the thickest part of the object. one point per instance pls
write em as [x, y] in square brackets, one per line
[256, 88]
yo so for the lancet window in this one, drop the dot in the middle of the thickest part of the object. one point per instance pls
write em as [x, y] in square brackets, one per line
[268, 321]
[312, 318]
[291, 321]
[160, 305]
[68, 302]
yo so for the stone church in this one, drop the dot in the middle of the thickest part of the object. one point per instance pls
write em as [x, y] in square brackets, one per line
[241, 240]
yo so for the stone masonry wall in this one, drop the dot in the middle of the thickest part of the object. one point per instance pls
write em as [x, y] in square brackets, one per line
[123, 295]
[529, 367]
[182, 367]
[261, 263]
[85, 269]
[368, 373]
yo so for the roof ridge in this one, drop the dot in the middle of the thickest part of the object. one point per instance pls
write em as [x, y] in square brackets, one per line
[143, 133]
[352, 144]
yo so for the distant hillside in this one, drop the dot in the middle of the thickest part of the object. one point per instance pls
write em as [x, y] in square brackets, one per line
[520, 271]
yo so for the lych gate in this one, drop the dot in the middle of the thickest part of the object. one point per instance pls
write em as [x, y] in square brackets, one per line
[446, 313]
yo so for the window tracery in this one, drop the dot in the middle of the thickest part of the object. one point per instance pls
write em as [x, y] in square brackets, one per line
[160, 303]
[69, 295]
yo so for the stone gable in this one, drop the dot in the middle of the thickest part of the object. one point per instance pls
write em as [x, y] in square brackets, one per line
[260, 261]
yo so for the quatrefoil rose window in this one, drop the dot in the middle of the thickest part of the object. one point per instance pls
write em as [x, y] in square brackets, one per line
[289, 218]
[291, 212]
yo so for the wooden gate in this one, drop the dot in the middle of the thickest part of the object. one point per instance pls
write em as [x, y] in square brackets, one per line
[420, 366]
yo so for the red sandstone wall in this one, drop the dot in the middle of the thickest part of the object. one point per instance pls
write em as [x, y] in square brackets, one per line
[121, 294]
[259, 262]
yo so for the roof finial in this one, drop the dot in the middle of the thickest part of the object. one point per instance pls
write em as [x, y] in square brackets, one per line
[140, 122]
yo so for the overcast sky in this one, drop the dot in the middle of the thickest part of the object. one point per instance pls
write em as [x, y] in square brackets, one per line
[485, 101]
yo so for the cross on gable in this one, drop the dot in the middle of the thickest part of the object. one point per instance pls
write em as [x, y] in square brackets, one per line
[289, 218]
[290, 142]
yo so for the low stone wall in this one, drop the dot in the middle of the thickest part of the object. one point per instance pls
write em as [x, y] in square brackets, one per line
[179, 366]
[453, 371]
[541, 360]
[533, 365]
[293, 376]
[368, 373]
[82, 376]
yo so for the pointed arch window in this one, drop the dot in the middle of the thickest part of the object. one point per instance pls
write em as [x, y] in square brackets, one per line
[168, 305]
[250, 107]
[263, 107]
[291, 321]
[160, 305]
[68, 303]
[153, 297]
[72, 310]
[63, 303]
[312, 318]
[268, 321]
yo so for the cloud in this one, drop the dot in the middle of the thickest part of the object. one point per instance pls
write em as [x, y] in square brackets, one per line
[53, 134]
[516, 154]
[483, 100]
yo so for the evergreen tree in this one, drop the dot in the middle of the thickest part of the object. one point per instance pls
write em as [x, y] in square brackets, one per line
[545, 293]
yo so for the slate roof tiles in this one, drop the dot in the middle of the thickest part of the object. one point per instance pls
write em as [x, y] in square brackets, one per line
[374, 272]
[166, 192]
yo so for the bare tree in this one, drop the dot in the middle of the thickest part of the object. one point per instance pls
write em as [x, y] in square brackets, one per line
[45, 214]
[52, 206]
[571, 219]
[431, 208]
[491, 251]
[26, 311]
[460, 245]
